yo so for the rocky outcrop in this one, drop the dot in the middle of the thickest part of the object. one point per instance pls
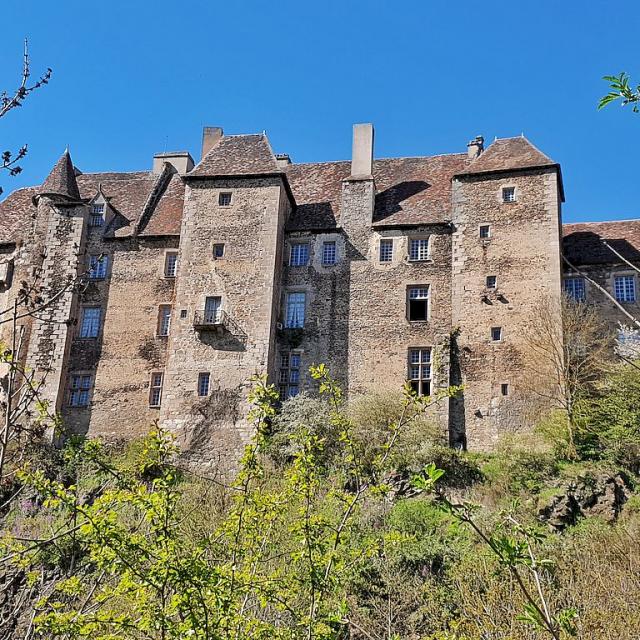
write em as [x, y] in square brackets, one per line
[600, 495]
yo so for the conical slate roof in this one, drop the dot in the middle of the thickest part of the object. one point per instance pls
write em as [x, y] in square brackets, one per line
[62, 180]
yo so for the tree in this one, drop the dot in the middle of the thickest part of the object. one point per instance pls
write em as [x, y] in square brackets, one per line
[13, 100]
[621, 89]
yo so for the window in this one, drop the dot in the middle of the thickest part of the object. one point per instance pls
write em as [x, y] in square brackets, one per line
[170, 264]
[485, 231]
[79, 388]
[183, 313]
[575, 288]
[625, 288]
[212, 309]
[418, 249]
[218, 250]
[496, 334]
[328, 253]
[420, 370]
[98, 267]
[418, 303]
[224, 199]
[97, 215]
[164, 319]
[294, 315]
[492, 282]
[90, 326]
[504, 389]
[289, 375]
[509, 194]
[299, 256]
[155, 389]
[203, 384]
[386, 250]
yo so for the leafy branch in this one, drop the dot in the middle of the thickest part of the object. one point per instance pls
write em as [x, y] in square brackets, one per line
[621, 89]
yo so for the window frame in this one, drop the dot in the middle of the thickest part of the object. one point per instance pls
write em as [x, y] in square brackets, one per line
[216, 246]
[293, 246]
[505, 389]
[492, 278]
[222, 196]
[103, 260]
[82, 323]
[508, 195]
[500, 334]
[202, 376]
[97, 213]
[80, 389]
[387, 242]
[427, 297]
[334, 261]
[419, 255]
[634, 287]
[162, 331]
[420, 363]
[571, 293]
[156, 388]
[297, 324]
[167, 273]
[289, 374]
[489, 231]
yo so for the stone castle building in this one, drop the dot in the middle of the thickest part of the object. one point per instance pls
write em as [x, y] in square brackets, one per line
[195, 278]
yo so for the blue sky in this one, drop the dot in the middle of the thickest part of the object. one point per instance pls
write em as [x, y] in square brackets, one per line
[132, 78]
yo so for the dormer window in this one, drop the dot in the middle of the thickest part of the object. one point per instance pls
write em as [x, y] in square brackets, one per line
[97, 215]
[224, 199]
[508, 194]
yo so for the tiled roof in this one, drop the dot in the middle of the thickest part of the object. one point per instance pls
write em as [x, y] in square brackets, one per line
[16, 214]
[582, 242]
[166, 218]
[507, 154]
[409, 190]
[236, 156]
[62, 180]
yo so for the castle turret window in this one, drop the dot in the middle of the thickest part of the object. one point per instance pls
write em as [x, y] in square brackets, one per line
[155, 388]
[625, 288]
[420, 370]
[79, 388]
[418, 249]
[386, 250]
[418, 303]
[90, 326]
[299, 256]
[295, 308]
[574, 288]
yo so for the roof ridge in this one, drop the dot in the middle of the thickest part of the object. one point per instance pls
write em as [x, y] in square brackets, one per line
[436, 155]
[565, 224]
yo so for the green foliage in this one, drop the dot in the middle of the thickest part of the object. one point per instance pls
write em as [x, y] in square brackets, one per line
[621, 89]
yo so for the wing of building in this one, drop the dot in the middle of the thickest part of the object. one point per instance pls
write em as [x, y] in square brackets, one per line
[174, 286]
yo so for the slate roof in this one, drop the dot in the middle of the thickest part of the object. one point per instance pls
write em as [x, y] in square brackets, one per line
[582, 242]
[236, 156]
[409, 191]
[62, 180]
[508, 154]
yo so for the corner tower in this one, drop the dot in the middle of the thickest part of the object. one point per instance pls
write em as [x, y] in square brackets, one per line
[223, 320]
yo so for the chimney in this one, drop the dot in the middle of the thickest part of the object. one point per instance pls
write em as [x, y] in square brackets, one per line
[475, 147]
[283, 160]
[210, 138]
[181, 161]
[362, 153]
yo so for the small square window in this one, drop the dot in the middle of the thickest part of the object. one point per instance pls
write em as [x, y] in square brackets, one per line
[183, 313]
[492, 282]
[386, 250]
[504, 389]
[485, 231]
[299, 256]
[509, 194]
[418, 249]
[328, 253]
[224, 199]
[496, 334]
[170, 264]
[203, 384]
[218, 250]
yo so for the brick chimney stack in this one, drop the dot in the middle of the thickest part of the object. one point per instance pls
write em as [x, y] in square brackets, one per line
[362, 153]
[475, 147]
[210, 138]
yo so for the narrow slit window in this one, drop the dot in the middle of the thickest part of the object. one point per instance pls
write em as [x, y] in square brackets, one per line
[504, 389]
[155, 388]
[164, 319]
[420, 370]
[203, 383]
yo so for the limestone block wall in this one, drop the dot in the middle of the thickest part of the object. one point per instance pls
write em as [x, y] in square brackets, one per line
[127, 350]
[213, 428]
[523, 252]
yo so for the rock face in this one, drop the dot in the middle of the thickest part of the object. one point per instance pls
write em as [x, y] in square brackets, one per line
[603, 495]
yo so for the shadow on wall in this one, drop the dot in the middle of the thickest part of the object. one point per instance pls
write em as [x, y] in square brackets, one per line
[586, 247]
[389, 201]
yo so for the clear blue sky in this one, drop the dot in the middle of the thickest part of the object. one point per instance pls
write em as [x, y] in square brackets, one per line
[132, 78]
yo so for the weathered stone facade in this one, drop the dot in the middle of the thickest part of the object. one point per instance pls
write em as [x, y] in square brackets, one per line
[190, 280]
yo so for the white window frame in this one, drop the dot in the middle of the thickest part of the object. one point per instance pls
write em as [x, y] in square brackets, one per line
[90, 327]
[164, 320]
[173, 272]
[419, 292]
[297, 256]
[422, 246]
[508, 194]
[293, 319]
[495, 282]
[224, 195]
[420, 369]
[489, 231]
[156, 383]
[332, 253]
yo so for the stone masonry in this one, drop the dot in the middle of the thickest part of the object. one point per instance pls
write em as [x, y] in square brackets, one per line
[190, 279]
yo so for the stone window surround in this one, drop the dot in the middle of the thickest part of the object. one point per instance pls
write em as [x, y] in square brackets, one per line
[612, 284]
[494, 331]
[161, 317]
[89, 389]
[152, 387]
[409, 288]
[203, 384]
[285, 307]
[421, 363]
[295, 243]
[507, 189]
[165, 258]
[225, 199]
[414, 237]
[390, 244]
[83, 308]
[489, 229]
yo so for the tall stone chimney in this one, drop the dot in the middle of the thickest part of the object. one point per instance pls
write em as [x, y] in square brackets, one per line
[210, 138]
[362, 152]
[475, 147]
